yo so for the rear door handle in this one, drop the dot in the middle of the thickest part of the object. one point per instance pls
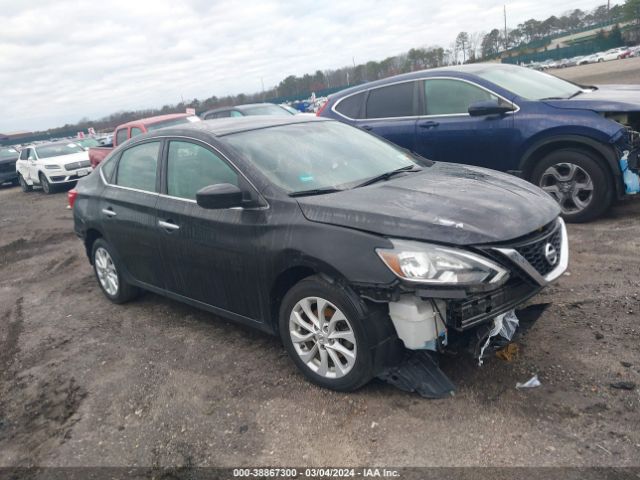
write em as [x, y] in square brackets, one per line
[109, 212]
[168, 225]
[428, 124]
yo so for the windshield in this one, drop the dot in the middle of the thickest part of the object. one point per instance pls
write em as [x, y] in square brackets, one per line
[8, 153]
[318, 155]
[172, 122]
[266, 110]
[529, 84]
[58, 149]
[88, 142]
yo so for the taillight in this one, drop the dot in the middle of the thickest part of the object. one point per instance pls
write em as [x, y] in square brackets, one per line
[322, 108]
[71, 197]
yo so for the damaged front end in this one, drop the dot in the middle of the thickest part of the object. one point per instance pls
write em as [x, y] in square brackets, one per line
[627, 145]
[463, 299]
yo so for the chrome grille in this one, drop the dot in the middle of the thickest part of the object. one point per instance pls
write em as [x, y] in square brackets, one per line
[75, 165]
[534, 252]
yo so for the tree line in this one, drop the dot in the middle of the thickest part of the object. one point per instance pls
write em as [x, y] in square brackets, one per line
[467, 47]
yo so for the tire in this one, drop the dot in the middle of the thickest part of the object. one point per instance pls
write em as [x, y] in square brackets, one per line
[578, 180]
[108, 266]
[24, 185]
[47, 188]
[366, 333]
[15, 182]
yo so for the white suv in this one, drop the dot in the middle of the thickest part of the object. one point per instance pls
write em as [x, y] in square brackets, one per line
[51, 164]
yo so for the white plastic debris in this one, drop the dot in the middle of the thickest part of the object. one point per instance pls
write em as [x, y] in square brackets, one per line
[504, 325]
[533, 382]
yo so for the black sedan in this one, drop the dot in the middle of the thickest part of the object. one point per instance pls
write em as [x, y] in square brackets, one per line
[348, 247]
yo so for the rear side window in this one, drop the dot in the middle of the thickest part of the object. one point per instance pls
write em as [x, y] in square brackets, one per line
[398, 100]
[223, 114]
[136, 131]
[137, 167]
[447, 97]
[351, 107]
[121, 136]
[107, 167]
[191, 166]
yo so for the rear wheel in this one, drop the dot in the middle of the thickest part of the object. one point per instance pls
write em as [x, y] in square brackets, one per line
[331, 338]
[46, 186]
[109, 276]
[24, 185]
[578, 181]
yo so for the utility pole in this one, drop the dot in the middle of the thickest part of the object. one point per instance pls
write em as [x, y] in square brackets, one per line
[506, 44]
[262, 83]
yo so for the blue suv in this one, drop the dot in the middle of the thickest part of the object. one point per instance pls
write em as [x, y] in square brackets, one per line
[578, 143]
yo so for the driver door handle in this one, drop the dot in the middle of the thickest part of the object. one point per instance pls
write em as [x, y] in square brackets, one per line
[168, 225]
[428, 124]
[108, 212]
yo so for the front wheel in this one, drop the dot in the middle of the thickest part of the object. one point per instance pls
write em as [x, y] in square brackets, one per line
[578, 181]
[109, 276]
[24, 185]
[331, 337]
[46, 186]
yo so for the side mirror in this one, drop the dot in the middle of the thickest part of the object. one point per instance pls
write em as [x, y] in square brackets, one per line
[218, 196]
[489, 107]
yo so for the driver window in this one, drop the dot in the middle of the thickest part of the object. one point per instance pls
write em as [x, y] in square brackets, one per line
[32, 154]
[450, 97]
[191, 167]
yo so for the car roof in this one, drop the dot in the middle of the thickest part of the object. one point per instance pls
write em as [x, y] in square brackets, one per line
[242, 107]
[472, 68]
[156, 119]
[225, 126]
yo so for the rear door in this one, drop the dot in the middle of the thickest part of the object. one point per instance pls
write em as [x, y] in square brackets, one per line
[127, 208]
[207, 255]
[448, 133]
[391, 112]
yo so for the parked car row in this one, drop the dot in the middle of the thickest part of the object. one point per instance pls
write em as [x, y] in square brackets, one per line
[340, 234]
[612, 54]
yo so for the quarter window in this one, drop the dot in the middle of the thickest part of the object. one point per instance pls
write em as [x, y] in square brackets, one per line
[447, 97]
[121, 136]
[137, 167]
[191, 167]
[351, 107]
[398, 100]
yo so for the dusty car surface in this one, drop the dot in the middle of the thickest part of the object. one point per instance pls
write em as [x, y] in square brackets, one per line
[351, 249]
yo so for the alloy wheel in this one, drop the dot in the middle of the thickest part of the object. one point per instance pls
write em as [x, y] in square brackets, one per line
[106, 270]
[322, 337]
[570, 185]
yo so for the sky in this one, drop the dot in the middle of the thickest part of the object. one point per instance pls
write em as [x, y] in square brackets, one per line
[64, 60]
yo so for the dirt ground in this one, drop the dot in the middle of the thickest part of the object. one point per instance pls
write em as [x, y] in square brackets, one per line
[617, 71]
[157, 383]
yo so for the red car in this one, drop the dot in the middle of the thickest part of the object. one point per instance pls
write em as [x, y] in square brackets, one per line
[136, 127]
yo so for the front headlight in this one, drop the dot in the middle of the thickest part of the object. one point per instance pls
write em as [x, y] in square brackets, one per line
[437, 265]
[52, 167]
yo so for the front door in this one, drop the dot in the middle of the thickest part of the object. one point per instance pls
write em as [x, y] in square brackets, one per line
[22, 165]
[448, 133]
[128, 211]
[205, 253]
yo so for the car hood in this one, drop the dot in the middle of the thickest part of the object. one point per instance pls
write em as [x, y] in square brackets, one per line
[607, 98]
[64, 159]
[445, 203]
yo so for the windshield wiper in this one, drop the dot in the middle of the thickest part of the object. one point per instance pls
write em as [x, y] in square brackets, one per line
[388, 175]
[315, 191]
[576, 94]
